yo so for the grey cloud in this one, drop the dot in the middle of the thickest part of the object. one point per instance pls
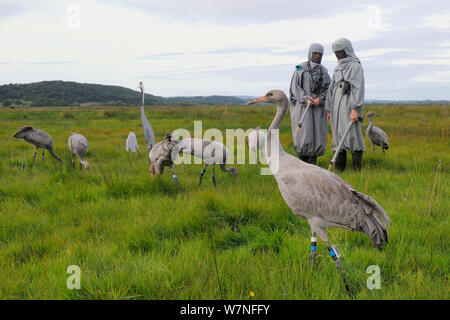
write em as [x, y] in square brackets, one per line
[9, 8]
[229, 50]
[234, 12]
[42, 62]
[52, 62]
[242, 12]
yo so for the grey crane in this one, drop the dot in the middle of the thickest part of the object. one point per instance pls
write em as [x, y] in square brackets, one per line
[212, 153]
[376, 136]
[148, 130]
[320, 196]
[78, 145]
[39, 139]
[160, 156]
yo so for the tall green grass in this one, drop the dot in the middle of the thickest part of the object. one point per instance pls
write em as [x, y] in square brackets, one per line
[140, 238]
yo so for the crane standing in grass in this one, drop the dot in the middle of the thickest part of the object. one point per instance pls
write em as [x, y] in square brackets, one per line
[160, 156]
[320, 196]
[376, 136]
[39, 139]
[132, 143]
[78, 145]
[148, 130]
[257, 142]
[212, 153]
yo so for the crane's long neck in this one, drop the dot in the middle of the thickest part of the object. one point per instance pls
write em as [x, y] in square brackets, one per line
[142, 105]
[225, 169]
[370, 123]
[281, 111]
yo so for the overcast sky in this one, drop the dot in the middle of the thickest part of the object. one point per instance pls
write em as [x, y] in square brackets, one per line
[233, 47]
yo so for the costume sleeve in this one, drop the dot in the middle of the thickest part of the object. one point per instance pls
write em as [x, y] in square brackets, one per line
[356, 79]
[328, 99]
[325, 85]
[297, 94]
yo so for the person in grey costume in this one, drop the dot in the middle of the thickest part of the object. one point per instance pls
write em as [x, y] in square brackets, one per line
[310, 83]
[344, 100]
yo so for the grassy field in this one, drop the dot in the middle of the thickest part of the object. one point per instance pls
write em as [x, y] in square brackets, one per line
[138, 238]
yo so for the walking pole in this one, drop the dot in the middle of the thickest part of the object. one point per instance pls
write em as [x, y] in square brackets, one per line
[300, 123]
[333, 160]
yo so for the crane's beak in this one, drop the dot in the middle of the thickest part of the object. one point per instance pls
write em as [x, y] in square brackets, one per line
[258, 100]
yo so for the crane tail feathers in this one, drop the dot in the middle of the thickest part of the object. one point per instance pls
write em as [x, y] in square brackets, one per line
[375, 221]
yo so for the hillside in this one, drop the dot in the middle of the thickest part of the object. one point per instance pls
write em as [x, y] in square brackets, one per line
[63, 93]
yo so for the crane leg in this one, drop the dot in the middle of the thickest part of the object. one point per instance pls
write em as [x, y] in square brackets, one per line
[312, 255]
[73, 162]
[214, 174]
[34, 154]
[335, 255]
[201, 174]
[43, 153]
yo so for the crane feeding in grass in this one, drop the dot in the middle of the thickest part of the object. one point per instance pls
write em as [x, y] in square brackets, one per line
[212, 153]
[160, 156]
[257, 142]
[148, 130]
[376, 136]
[320, 196]
[132, 143]
[78, 146]
[39, 139]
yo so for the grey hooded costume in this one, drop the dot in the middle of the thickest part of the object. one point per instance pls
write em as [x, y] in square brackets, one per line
[340, 105]
[311, 140]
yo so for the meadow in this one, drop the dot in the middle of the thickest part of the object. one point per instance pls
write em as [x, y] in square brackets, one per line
[140, 238]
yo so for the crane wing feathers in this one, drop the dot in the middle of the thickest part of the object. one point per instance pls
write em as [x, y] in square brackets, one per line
[321, 193]
[377, 136]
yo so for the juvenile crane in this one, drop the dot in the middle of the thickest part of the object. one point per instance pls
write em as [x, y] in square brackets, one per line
[132, 143]
[212, 153]
[376, 136]
[39, 139]
[319, 196]
[148, 130]
[257, 142]
[78, 146]
[160, 156]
